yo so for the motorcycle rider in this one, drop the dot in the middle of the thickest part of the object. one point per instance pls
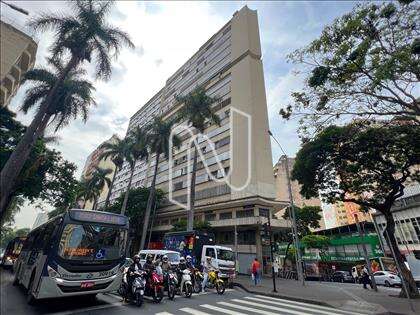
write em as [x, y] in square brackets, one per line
[165, 265]
[207, 267]
[189, 262]
[149, 266]
[134, 267]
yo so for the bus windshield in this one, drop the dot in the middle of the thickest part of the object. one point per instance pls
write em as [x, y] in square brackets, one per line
[92, 242]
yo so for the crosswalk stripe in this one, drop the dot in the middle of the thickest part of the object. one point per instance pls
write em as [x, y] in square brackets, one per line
[245, 308]
[221, 310]
[309, 308]
[313, 306]
[270, 307]
[193, 311]
[164, 313]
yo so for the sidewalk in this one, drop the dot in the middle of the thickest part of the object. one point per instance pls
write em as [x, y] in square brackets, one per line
[349, 297]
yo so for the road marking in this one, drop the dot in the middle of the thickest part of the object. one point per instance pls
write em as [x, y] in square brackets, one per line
[88, 309]
[309, 308]
[314, 306]
[245, 308]
[273, 308]
[164, 313]
[221, 310]
[193, 311]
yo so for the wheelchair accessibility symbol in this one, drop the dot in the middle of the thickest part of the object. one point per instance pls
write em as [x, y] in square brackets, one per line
[100, 254]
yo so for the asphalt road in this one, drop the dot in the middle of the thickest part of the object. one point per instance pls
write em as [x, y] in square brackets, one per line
[233, 302]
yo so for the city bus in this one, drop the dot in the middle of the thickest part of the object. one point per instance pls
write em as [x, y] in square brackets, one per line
[12, 252]
[81, 252]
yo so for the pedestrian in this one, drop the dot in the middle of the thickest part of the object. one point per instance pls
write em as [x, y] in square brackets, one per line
[255, 269]
[276, 268]
[365, 278]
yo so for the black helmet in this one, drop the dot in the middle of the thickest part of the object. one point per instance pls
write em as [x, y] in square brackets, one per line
[136, 257]
[149, 258]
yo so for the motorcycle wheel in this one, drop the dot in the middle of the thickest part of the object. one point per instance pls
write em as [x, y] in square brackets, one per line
[158, 295]
[188, 290]
[197, 286]
[171, 291]
[220, 287]
[139, 299]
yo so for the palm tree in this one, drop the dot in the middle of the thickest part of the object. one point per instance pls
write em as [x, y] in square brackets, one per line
[98, 181]
[116, 150]
[138, 151]
[198, 112]
[158, 136]
[83, 36]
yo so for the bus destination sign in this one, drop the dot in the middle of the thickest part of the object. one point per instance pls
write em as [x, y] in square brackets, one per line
[97, 217]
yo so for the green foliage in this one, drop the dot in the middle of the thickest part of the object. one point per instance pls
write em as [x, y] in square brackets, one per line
[7, 234]
[364, 64]
[315, 241]
[364, 164]
[307, 218]
[46, 175]
[158, 135]
[181, 225]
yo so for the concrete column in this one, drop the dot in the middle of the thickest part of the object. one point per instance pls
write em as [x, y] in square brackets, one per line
[258, 244]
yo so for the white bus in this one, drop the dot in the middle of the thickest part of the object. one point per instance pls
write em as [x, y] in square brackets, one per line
[81, 252]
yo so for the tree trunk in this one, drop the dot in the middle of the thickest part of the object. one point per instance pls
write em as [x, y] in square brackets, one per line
[95, 201]
[110, 187]
[285, 255]
[14, 165]
[391, 241]
[124, 205]
[190, 221]
[150, 202]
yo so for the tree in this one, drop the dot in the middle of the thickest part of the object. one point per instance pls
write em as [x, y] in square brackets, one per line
[365, 164]
[316, 241]
[181, 225]
[365, 64]
[116, 150]
[46, 175]
[97, 182]
[84, 36]
[9, 234]
[158, 135]
[307, 218]
[137, 151]
[197, 111]
[136, 206]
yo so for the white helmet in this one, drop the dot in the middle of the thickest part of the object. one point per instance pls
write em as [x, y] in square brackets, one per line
[189, 257]
[182, 259]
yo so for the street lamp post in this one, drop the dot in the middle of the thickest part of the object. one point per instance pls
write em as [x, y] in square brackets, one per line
[292, 215]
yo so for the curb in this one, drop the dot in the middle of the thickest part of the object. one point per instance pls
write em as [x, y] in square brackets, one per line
[292, 298]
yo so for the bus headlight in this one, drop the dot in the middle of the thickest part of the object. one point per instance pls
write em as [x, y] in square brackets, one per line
[52, 273]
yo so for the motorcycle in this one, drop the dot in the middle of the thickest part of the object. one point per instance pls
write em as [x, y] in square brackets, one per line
[215, 282]
[171, 282]
[185, 286]
[154, 287]
[136, 292]
[197, 280]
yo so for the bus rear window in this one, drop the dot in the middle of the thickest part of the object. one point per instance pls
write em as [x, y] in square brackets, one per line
[91, 242]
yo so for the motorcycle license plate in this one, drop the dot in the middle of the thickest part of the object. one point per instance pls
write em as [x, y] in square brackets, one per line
[141, 292]
[86, 285]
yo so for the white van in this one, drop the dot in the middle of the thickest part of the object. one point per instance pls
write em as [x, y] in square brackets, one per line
[173, 256]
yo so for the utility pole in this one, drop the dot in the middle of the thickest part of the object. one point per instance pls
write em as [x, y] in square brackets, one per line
[271, 252]
[365, 254]
[292, 214]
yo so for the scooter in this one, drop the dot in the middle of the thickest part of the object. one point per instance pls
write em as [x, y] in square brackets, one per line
[154, 287]
[215, 282]
[136, 293]
[197, 278]
[186, 284]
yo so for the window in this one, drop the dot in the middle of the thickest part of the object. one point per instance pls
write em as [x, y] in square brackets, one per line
[225, 215]
[210, 252]
[178, 186]
[264, 212]
[245, 213]
[210, 217]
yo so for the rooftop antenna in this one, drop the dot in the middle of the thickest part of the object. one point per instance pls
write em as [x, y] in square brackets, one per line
[16, 8]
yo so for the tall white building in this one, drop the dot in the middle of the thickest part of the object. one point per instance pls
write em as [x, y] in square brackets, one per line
[41, 218]
[229, 66]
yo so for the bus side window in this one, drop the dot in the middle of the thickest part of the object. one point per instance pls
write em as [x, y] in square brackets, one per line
[48, 233]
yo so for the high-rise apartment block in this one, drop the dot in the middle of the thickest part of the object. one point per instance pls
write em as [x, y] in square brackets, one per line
[229, 66]
[17, 54]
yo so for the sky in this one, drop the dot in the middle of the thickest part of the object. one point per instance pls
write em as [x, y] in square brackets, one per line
[166, 35]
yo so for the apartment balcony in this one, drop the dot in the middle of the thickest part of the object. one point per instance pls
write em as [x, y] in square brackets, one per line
[18, 53]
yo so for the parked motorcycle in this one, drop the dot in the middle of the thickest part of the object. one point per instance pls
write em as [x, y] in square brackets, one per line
[136, 292]
[215, 282]
[185, 286]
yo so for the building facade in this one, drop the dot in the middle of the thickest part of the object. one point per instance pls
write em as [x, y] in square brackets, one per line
[17, 54]
[229, 66]
[94, 160]
[41, 218]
